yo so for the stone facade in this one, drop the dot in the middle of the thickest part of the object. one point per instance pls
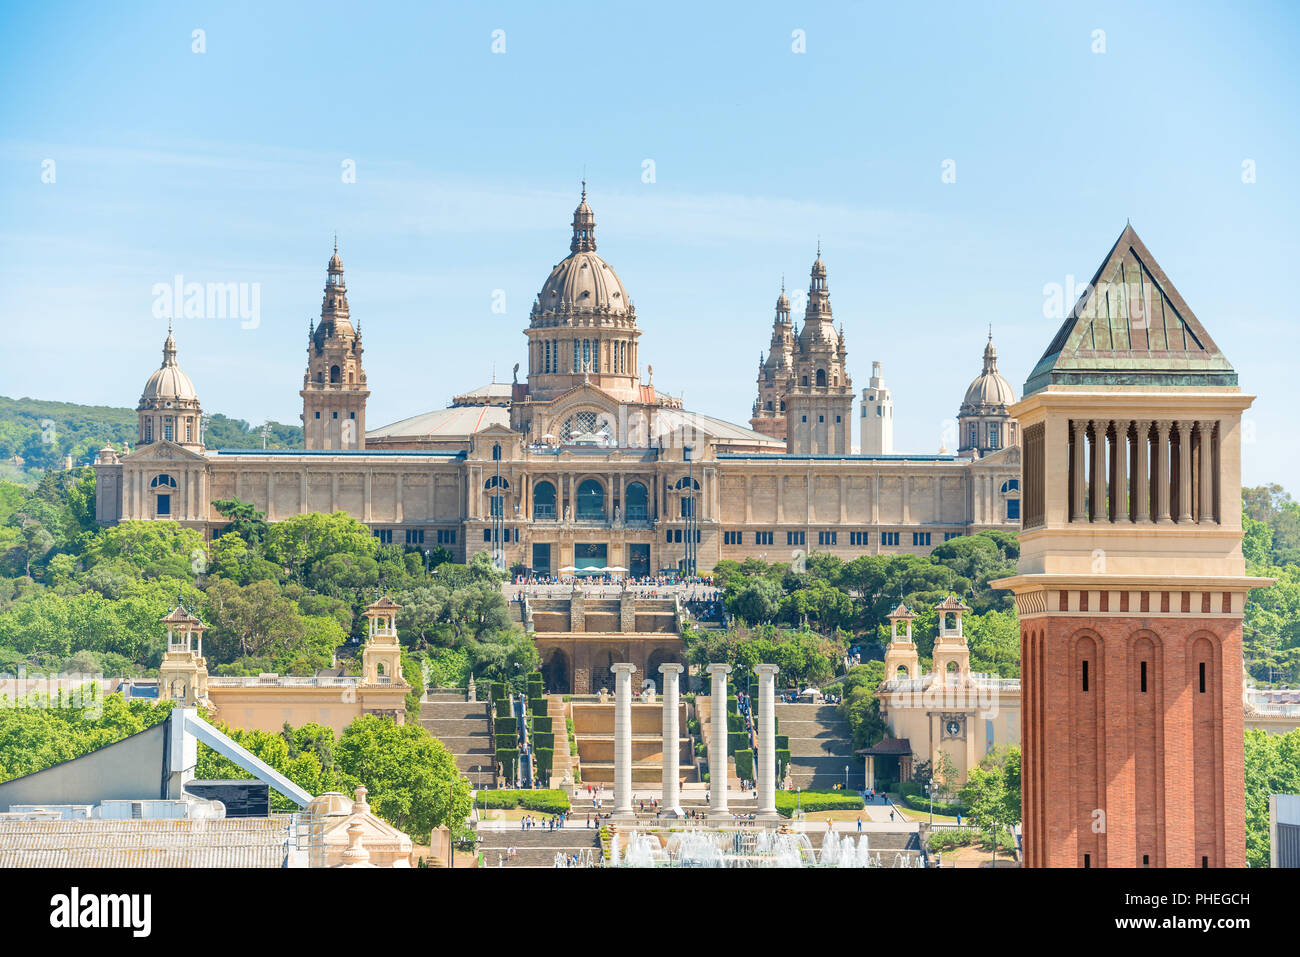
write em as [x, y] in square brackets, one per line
[582, 465]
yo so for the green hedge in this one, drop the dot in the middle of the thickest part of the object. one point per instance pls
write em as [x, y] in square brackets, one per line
[745, 764]
[920, 802]
[813, 801]
[498, 690]
[544, 739]
[783, 742]
[782, 762]
[541, 723]
[539, 706]
[543, 761]
[508, 758]
[546, 802]
[507, 728]
[737, 740]
[735, 722]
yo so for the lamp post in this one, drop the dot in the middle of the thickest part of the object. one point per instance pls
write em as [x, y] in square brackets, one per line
[929, 789]
[690, 512]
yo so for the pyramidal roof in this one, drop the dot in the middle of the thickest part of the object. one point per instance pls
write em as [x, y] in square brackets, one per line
[1131, 327]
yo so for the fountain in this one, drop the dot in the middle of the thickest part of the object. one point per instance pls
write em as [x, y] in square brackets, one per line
[764, 847]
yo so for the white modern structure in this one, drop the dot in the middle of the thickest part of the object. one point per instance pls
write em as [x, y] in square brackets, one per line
[877, 434]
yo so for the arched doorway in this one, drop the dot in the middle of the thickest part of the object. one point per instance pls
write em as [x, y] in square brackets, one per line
[658, 657]
[544, 501]
[590, 501]
[557, 675]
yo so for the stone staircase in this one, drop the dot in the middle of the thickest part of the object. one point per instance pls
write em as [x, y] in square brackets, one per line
[820, 747]
[463, 726]
[562, 762]
[538, 846]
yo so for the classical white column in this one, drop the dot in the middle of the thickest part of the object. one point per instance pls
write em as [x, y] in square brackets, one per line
[1184, 472]
[670, 805]
[1206, 470]
[1078, 471]
[718, 753]
[623, 741]
[1162, 472]
[767, 741]
[1141, 481]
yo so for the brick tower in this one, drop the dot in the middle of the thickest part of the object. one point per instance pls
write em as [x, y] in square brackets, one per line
[1131, 583]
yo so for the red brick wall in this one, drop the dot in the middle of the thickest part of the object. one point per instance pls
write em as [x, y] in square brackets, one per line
[1164, 767]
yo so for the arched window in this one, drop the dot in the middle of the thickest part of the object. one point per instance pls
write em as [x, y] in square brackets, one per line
[544, 500]
[497, 481]
[1011, 489]
[162, 486]
[591, 501]
[163, 481]
[334, 374]
[769, 405]
[821, 376]
[1010, 485]
[638, 509]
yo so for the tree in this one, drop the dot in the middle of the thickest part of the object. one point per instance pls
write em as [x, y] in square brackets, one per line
[245, 520]
[990, 795]
[505, 656]
[411, 776]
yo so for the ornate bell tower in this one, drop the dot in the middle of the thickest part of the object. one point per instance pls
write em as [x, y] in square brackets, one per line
[334, 389]
[819, 406]
[1131, 583]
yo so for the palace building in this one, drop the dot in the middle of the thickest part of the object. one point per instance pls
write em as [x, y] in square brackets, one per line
[585, 464]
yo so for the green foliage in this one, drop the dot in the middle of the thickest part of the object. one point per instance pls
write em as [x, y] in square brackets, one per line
[226, 433]
[813, 801]
[992, 793]
[1272, 767]
[507, 728]
[42, 432]
[539, 800]
[745, 764]
[38, 735]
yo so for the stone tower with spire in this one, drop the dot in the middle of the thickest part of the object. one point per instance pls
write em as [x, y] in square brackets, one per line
[819, 405]
[775, 372]
[334, 389]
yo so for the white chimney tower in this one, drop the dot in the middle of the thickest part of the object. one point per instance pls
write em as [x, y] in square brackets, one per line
[877, 415]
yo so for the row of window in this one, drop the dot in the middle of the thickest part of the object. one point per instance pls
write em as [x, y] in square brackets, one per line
[820, 418]
[1142, 677]
[169, 430]
[919, 539]
[415, 536]
[675, 535]
[351, 415]
[487, 535]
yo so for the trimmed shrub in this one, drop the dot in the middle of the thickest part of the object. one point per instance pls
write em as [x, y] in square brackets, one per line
[538, 706]
[735, 723]
[544, 739]
[543, 760]
[745, 764]
[542, 801]
[498, 690]
[813, 801]
[507, 728]
[541, 723]
[782, 762]
[782, 742]
[918, 802]
[737, 740]
[508, 758]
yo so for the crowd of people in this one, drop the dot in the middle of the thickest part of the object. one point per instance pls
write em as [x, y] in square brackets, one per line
[551, 823]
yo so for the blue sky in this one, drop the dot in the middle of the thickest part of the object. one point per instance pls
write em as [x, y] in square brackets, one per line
[226, 166]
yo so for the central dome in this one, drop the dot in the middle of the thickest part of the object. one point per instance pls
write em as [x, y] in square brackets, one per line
[168, 384]
[989, 391]
[583, 284]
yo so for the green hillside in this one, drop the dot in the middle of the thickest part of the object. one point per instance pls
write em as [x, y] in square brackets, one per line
[41, 433]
